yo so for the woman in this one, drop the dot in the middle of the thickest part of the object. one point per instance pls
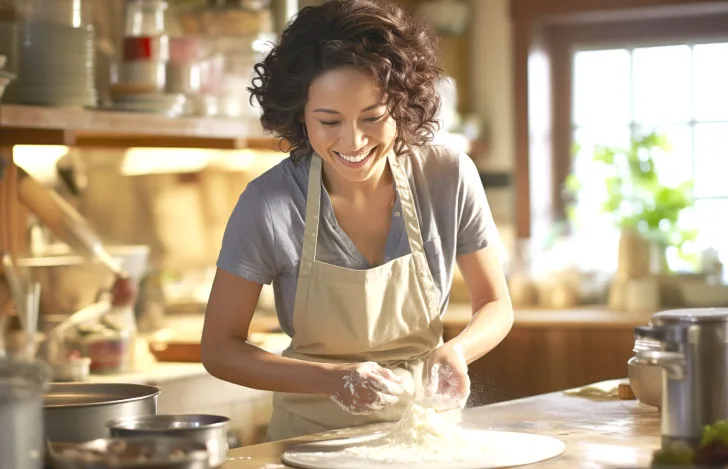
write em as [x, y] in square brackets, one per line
[359, 230]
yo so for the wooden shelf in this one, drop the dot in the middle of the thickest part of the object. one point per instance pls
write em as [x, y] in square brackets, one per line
[35, 125]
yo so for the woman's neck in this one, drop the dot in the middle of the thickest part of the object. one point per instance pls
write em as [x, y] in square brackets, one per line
[357, 191]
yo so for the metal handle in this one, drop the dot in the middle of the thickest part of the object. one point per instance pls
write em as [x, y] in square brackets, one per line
[664, 334]
[672, 362]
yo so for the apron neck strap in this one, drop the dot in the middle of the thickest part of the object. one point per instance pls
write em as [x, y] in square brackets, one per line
[313, 210]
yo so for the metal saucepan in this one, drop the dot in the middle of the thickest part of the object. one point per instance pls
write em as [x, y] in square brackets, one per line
[208, 429]
[78, 412]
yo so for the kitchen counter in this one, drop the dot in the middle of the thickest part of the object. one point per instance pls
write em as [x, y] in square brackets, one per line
[597, 431]
[597, 316]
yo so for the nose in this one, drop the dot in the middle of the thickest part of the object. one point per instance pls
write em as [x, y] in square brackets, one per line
[353, 137]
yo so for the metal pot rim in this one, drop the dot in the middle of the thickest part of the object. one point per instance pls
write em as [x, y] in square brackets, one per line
[128, 423]
[145, 391]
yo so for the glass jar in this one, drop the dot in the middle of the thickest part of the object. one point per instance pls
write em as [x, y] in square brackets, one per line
[22, 387]
[145, 18]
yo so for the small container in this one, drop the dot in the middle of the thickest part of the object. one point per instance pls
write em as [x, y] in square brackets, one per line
[146, 48]
[145, 18]
[22, 386]
[73, 370]
[109, 351]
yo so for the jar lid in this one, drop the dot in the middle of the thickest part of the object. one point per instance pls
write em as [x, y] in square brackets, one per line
[21, 377]
[691, 315]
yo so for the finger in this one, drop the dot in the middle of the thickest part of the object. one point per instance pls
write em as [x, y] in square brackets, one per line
[385, 400]
[385, 386]
[388, 374]
[434, 380]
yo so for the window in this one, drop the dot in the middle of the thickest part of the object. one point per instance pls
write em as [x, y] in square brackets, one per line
[678, 89]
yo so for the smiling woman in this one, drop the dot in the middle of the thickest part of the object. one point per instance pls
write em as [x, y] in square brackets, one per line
[359, 230]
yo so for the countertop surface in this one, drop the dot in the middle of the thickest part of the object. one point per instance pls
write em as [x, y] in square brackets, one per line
[458, 314]
[598, 432]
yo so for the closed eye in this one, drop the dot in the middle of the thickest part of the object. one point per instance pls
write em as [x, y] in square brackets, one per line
[329, 123]
[374, 119]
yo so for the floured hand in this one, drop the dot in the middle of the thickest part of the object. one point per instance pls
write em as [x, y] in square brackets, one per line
[447, 376]
[365, 388]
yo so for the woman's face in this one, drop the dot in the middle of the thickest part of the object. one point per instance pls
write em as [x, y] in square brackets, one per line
[348, 124]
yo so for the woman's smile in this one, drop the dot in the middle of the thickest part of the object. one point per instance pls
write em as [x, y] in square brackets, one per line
[356, 159]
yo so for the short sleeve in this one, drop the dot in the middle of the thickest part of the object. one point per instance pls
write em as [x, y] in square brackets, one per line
[475, 220]
[248, 243]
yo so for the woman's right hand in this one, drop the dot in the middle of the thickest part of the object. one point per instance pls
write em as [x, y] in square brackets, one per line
[364, 388]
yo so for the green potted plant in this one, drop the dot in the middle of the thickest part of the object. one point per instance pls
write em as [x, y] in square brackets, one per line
[641, 205]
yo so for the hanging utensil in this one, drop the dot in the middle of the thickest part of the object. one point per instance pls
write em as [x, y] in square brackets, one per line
[72, 228]
[31, 319]
[16, 289]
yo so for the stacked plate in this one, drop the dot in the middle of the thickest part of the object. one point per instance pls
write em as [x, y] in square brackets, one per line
[168, 104]
[55, 66]
[5, 76]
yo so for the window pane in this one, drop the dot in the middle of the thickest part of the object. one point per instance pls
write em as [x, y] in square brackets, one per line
[662, 84]
[602, 87]
[591, 176]
[710, 62]
[710, 221]
[711, 160]
[676, 166]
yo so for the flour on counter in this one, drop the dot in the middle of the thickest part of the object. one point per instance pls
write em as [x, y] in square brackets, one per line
[423, 435]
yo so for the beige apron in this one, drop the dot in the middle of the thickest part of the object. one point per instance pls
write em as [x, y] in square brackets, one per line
[388, 314]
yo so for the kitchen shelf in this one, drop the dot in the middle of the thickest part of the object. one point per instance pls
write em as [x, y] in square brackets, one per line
[37, 125]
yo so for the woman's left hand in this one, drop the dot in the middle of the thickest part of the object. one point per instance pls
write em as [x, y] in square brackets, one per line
[447, 373]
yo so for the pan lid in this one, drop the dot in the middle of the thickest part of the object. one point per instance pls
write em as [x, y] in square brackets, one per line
[691, 315]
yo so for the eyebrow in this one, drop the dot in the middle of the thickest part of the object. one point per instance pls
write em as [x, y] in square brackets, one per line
[331, 111]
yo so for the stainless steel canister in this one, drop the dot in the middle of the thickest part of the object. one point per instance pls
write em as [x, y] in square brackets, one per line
[694, 354]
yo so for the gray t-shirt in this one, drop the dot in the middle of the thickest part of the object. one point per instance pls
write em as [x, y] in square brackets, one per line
[263, 238]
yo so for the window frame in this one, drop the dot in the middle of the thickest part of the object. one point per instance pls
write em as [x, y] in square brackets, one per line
[552, 30]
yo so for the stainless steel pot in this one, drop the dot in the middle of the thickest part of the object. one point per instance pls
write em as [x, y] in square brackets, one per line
[208, 429]
[78, 412]
[694, 355]
[22, 385]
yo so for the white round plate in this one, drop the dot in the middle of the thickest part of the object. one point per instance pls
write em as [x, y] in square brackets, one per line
[501, 449]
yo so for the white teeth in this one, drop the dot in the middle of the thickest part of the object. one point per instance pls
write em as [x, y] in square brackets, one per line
[354, 159]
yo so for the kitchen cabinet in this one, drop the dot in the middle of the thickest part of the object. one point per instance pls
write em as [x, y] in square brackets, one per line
[549, 350]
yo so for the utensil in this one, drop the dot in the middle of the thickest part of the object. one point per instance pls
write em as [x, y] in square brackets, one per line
[22, 384]
[16, 289]
[32, 303]
[63, 220]
[66, 223]
[55, 337]
[694, 356]
[138, 453]
[208, 429]
[78, 412]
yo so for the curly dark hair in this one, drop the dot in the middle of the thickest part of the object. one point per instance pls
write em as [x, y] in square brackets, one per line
[399, 52]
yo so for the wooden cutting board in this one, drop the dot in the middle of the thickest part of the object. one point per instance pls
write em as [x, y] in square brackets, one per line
[499, 449]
